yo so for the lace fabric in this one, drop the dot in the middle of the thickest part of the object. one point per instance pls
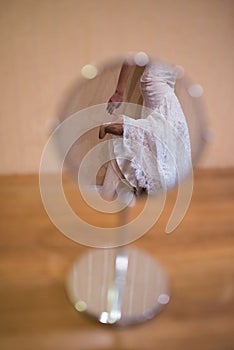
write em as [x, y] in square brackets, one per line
[154, 152]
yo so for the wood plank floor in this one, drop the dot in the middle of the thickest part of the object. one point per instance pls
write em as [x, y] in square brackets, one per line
[199, 258]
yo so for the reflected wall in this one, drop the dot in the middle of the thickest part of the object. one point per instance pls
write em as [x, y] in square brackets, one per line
[44, 45]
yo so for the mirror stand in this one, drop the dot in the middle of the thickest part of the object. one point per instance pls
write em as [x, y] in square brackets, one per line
[118, 286]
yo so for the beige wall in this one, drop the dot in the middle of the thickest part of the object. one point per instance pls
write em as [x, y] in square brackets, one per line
[45, 43]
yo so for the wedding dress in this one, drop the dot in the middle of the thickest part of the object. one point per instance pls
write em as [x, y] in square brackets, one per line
[154, 152]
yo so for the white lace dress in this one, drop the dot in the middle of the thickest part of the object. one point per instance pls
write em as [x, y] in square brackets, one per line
[154, 152]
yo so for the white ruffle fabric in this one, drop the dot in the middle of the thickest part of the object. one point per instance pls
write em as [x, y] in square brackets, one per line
[154, 152]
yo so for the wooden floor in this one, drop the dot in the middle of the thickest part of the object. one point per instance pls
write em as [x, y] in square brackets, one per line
[199, 258]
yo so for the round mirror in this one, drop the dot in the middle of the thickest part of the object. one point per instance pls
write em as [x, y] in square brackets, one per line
[128, 132]
[130, 129]
[169, 114]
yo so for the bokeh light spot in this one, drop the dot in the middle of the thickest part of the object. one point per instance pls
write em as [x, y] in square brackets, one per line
[163, 299]
[195, 90]
[80, 305]
[141, 59]
[89, 71]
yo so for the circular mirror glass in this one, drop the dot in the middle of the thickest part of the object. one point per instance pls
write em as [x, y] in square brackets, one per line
[128, 131]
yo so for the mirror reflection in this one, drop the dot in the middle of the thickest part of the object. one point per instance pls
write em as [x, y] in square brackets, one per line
[152, 147]
[156, 144]
[150, 114]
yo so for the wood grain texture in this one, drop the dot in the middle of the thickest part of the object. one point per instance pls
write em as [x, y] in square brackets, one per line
[198, 256]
